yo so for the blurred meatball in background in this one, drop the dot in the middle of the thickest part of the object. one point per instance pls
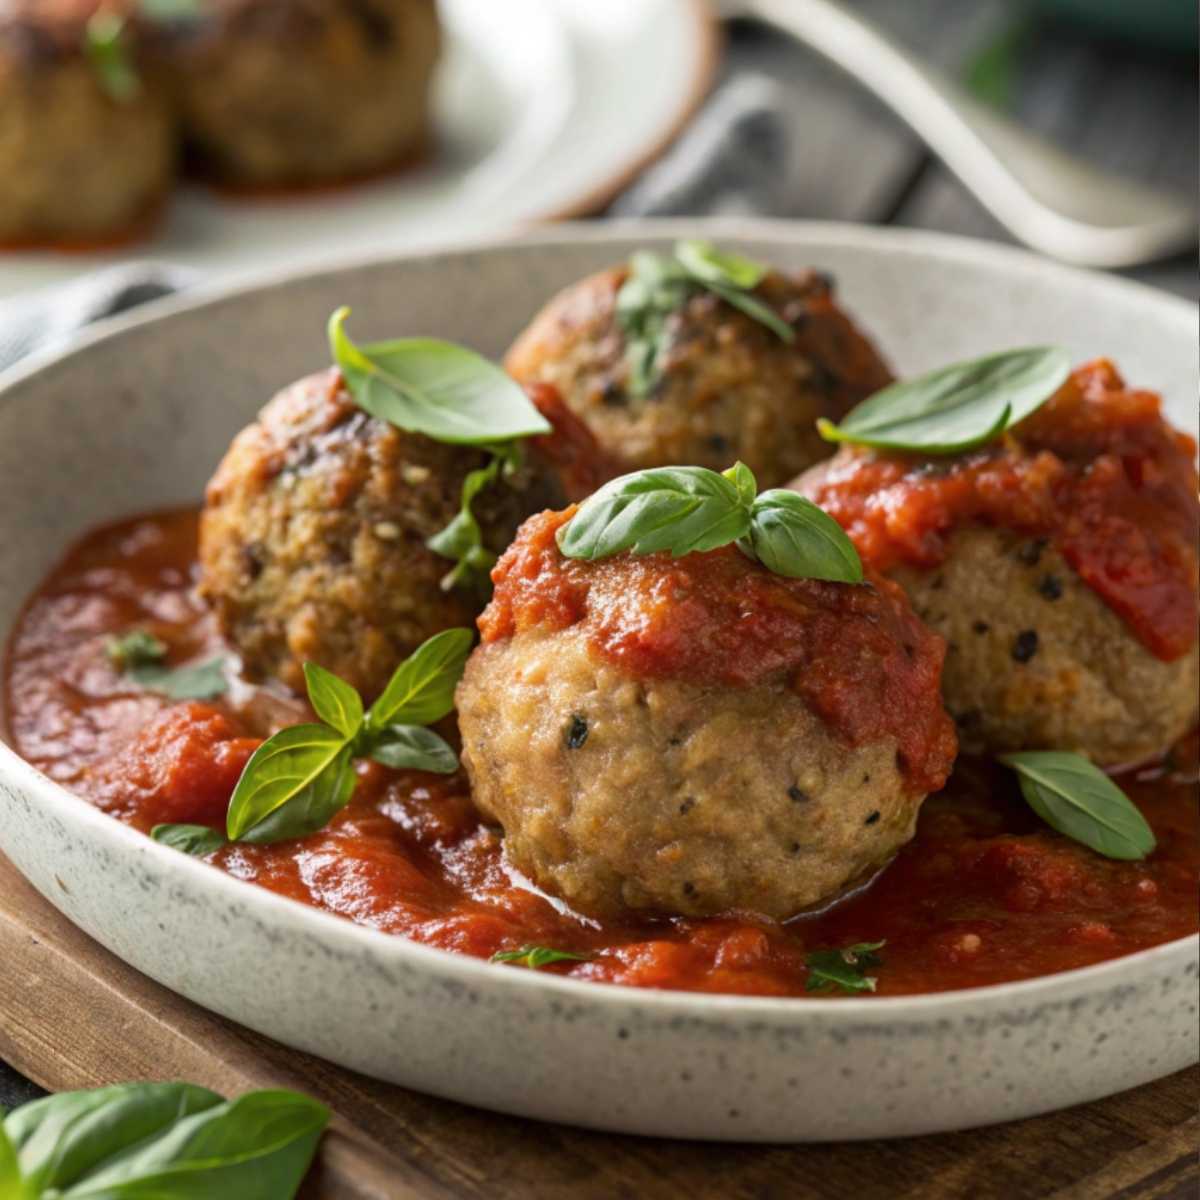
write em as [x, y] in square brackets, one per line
[87, 152]
[278, 93]
[729, 388]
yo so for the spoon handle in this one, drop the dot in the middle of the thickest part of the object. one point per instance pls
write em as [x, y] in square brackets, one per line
[1045, 198]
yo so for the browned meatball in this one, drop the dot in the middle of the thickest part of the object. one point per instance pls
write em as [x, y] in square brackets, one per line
[292, 92]
[696, 735]
[79, 164]
[1059, 563]
[312, 539]
[730, 388]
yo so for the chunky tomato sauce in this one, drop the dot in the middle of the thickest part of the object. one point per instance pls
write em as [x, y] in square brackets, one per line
[984, 894]
[857, 655]
[1096, 469]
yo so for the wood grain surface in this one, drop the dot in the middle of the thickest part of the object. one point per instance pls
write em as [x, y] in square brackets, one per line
[75, 1016]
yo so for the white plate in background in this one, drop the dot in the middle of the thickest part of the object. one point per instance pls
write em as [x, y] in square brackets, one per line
[544, 108]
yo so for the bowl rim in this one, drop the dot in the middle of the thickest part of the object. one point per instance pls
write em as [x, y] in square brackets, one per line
[303, 920]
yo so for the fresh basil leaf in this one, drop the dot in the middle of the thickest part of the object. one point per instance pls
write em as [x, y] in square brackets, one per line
[422, 689]
[704, 262]
[957, 407]
[334, 700]
[197, 840]
[64, 1139]
[107, 47]
[753, 307]
[413, 748]
[743, 479]
[535, 957]
[295, 778]
[844, 970]
[1075, 797]
[423, 385]
[199, 681]
[791, 536]
[137, 648]
[11, 1187]
[462, 540]
[678, 509]
[257, 1147]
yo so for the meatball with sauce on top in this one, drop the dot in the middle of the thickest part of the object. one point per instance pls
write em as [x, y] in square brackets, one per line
[1059, 563]
[313, 537]
[697, 734]
[720, 383]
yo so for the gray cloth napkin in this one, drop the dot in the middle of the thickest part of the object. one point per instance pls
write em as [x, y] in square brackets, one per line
[740, 155]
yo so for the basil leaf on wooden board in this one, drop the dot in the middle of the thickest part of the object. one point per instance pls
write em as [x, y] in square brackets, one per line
[137, 648]
[165, 1141]
[60, 1140]
[791, 536]
[11, 1187]
[424, 385]
[198, 681]
[301, 770]
[413, 748]
[422, 689]
[108, 48]
[197, 840]
[843, 970]
[957, 407]
[677, 509]
[1075, 797]
[334, 700]
[535, 957]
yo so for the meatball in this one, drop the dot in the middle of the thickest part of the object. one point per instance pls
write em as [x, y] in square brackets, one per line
[79, 164]
[730, 388]
[696, 735]
[1059, 564]
[313, 536]
[294, 92]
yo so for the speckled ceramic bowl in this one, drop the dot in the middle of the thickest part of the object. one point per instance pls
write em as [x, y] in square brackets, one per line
[134, 418]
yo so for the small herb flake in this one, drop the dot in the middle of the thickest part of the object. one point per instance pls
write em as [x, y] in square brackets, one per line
[536, 957]
[844, 970]
[137, 648]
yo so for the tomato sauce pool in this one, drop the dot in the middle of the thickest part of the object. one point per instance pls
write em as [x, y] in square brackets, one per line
[983, 894]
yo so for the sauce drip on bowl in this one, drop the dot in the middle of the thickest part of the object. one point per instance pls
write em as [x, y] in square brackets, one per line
[984, 894]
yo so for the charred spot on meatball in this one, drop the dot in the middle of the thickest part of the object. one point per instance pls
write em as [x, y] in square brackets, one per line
[813, 736]
[728, 387]
[313, 539]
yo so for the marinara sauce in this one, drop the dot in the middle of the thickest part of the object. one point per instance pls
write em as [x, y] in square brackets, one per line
[1096, 470]
[985, 893]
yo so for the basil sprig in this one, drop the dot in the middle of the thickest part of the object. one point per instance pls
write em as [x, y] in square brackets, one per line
[142, 659]
[300, 777]
[843, 970]
[536, 957]
[1075, 797]
[957, 407]
[686, 510]
[658, 286]
[108, 43]
[170, 1141]
[450, 394]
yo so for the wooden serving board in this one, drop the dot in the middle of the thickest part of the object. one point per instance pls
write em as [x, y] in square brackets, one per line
[72, 1016]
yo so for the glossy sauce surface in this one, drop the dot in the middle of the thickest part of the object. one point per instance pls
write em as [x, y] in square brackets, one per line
[1096, 469]
[984, 893]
